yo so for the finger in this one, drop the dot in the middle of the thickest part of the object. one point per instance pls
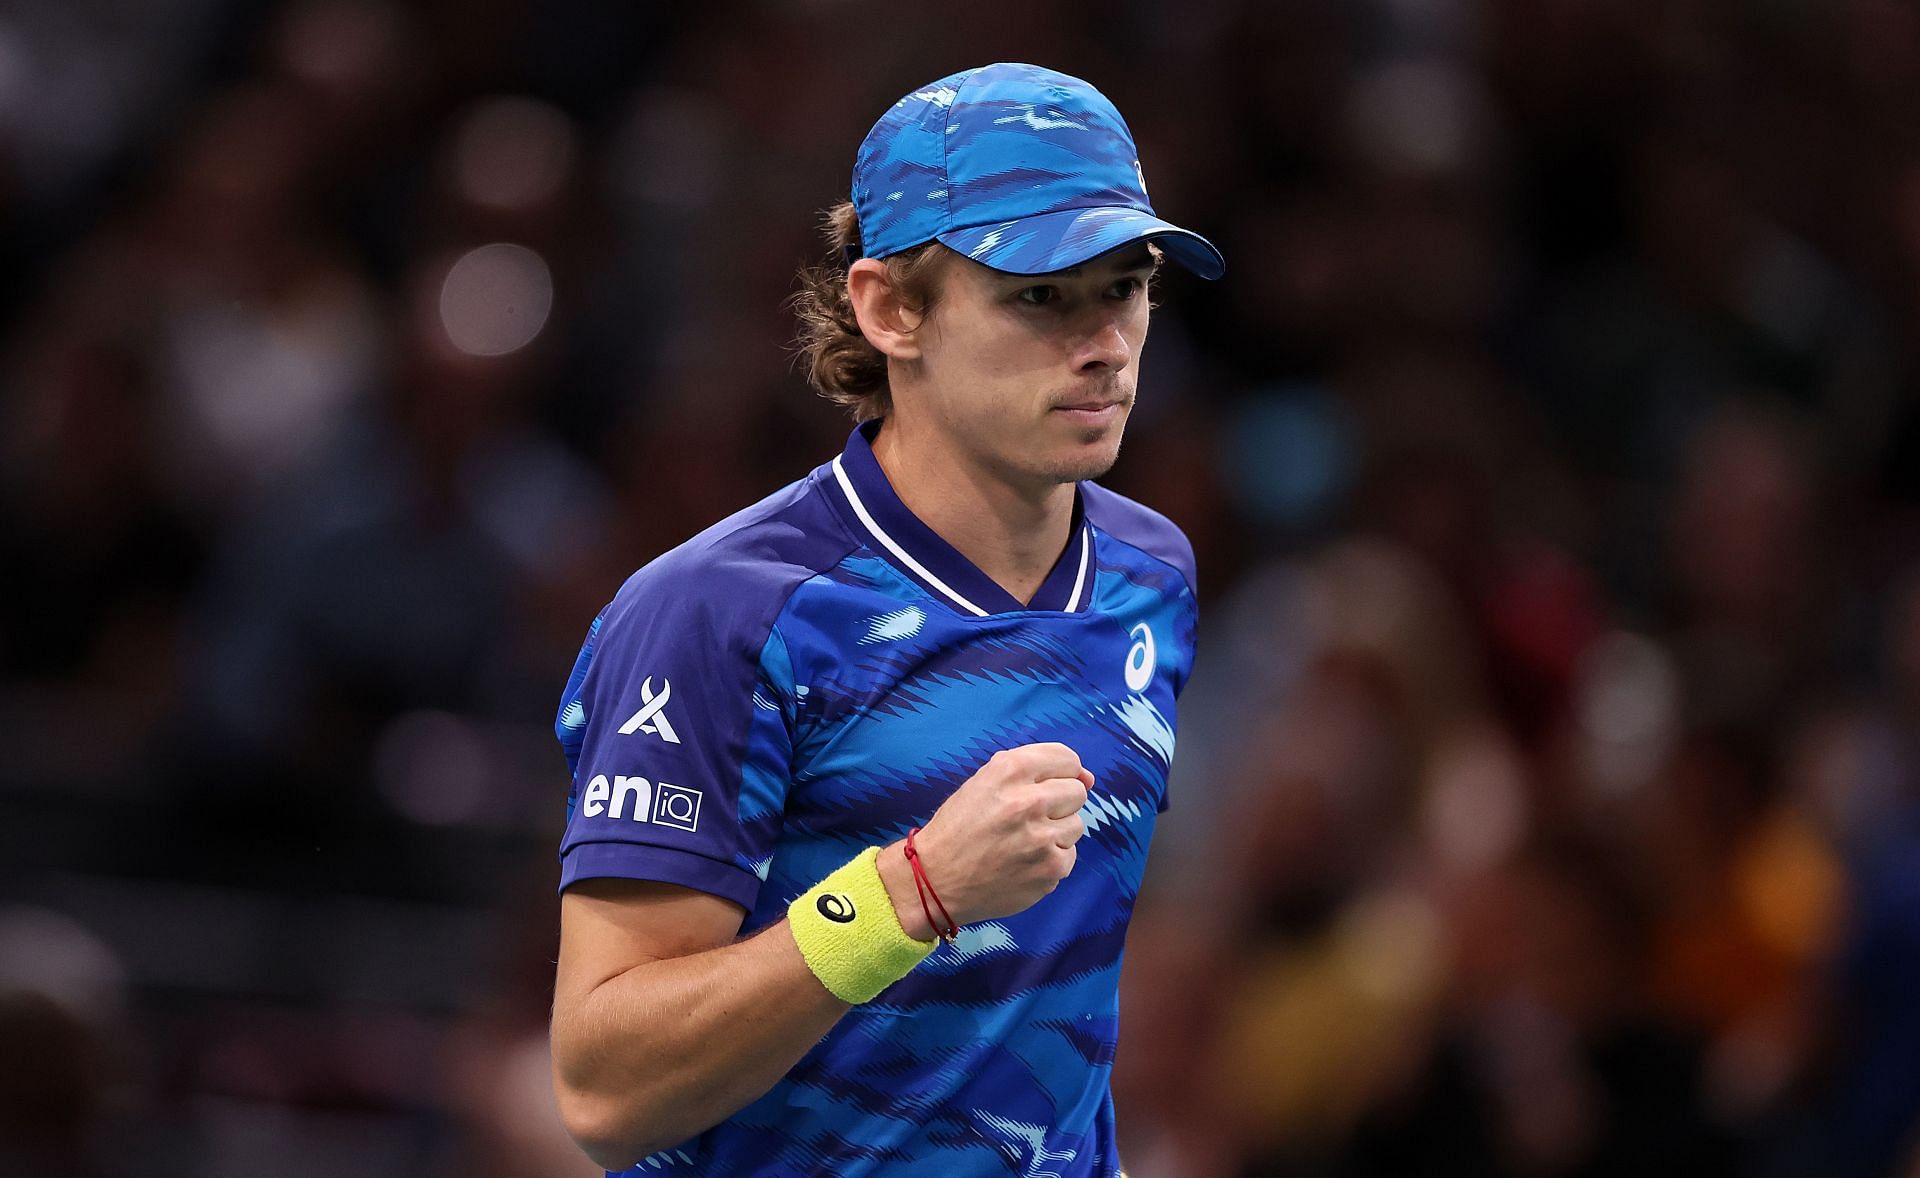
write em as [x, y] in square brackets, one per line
[1069, 831]
[1063, 797]
[1048, 759]
[1069, 857]
[1086, 779]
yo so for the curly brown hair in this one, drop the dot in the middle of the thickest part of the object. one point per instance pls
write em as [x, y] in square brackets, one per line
[840, 363]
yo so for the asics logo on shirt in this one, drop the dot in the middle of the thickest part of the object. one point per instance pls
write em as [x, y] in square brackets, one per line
[651, 718]
[1140, 658]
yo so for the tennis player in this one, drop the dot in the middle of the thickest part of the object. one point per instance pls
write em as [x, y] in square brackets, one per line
[864, 775]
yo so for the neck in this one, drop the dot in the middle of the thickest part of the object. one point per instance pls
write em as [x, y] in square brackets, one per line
[1012, 531]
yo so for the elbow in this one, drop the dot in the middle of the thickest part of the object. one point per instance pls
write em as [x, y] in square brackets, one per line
[615, 1133]
[600, 1134]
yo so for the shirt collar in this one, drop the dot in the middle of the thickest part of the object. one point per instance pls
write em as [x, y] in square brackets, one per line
[919, 552]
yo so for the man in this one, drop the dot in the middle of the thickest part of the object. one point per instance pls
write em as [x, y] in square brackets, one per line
[941, 640]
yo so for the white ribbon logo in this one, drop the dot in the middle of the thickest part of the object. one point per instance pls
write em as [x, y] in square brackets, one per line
[650, 719]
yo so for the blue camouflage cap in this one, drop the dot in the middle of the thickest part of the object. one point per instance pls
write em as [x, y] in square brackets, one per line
[1020, 168]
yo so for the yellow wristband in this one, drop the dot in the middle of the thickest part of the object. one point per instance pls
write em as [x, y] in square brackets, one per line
[850, 935]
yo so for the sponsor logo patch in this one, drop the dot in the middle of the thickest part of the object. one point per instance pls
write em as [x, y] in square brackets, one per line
[652, 716]
[636, 798]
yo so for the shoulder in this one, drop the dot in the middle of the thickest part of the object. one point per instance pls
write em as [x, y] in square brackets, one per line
[1141, 527]
[734, 577]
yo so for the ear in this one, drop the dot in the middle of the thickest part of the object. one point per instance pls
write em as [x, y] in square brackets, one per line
[887, 324]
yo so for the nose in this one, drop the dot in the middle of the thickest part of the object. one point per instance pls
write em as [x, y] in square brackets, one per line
[1106, 348]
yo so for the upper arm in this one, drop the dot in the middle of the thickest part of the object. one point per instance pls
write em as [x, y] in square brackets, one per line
[609, 926]
[675, 725]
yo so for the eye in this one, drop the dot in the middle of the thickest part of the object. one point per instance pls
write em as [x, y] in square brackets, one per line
[1038, 296]
[1127, 288]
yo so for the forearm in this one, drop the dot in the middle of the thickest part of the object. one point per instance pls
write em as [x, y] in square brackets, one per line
[668, 1049]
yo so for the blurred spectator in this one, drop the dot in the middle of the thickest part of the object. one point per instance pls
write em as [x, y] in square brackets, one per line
[1548, 798]
[63, 1024]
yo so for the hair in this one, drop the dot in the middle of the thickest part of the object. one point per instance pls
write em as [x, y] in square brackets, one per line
[840, 363]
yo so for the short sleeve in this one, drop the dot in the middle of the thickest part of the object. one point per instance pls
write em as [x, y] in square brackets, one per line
[676, 724]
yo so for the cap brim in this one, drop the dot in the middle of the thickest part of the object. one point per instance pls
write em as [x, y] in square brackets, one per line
[1048, 242]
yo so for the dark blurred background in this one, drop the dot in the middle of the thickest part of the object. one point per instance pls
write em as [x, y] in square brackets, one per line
[1548, 799]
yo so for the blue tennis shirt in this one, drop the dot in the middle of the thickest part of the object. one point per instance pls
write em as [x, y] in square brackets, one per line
[815, 675]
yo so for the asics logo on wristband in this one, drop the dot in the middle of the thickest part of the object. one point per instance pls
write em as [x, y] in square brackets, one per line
[838, 909]
[652, 718]
[1140, 658]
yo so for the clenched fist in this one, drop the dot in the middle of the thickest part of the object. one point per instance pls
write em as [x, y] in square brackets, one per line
[1004, 839]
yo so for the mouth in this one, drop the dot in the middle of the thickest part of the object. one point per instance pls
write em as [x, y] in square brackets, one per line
[1092, 412]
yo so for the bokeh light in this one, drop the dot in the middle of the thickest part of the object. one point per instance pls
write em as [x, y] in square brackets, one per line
[495, 299]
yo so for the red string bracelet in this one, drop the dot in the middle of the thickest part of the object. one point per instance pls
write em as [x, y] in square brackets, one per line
[947, 930]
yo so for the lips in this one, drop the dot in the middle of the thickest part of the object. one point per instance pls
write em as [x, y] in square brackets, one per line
[1095, 404]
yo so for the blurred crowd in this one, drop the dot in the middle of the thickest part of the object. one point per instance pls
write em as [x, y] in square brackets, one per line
[1548, 791]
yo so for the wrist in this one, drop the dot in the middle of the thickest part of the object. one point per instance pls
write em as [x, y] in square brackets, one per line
[897, 874]
[850, 936]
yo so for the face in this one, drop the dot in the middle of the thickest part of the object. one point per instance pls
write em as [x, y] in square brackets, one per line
[1032, 376]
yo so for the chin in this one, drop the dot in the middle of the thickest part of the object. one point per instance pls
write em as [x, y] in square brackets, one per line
[1089, 462]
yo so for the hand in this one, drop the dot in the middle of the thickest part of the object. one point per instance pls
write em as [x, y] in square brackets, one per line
[1003, 840]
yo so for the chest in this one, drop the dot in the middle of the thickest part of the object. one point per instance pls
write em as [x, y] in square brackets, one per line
[913, 702]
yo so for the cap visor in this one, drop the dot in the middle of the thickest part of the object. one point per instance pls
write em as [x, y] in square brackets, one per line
[1058, 241]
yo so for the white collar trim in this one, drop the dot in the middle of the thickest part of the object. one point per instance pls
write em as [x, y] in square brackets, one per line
[893, 546]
